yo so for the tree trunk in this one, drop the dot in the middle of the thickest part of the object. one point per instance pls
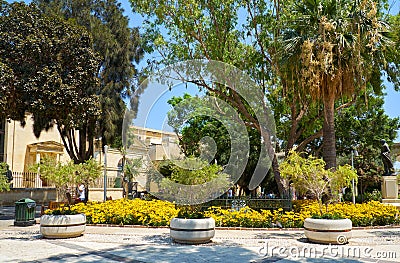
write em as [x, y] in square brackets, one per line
[282, 186]
[329, 144]
[79, 147]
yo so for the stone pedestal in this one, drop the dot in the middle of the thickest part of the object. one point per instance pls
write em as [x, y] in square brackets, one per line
[390, 187]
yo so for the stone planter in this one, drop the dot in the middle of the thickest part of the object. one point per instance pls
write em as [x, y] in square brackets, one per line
[328, 231]
[62, 226]
[192, 231]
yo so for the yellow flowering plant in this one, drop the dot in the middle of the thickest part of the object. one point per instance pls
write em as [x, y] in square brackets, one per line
[159, 213]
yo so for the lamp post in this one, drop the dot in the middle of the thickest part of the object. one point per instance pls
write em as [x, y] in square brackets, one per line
[353, 153]
[105, 172]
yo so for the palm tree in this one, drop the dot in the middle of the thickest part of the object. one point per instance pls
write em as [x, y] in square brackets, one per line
[330, 49]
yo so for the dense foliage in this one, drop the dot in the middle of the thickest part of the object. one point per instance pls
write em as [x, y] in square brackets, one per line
[324, 56]
[50, 72]
[309, 58]
[118, 46]
[191, 182]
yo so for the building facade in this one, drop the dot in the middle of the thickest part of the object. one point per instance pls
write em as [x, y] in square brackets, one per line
[20, 149]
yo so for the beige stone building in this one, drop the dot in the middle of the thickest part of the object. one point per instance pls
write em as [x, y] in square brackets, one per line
[161, 144]
[19, 148]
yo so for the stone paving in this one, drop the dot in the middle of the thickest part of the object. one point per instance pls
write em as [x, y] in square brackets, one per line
[139, 245]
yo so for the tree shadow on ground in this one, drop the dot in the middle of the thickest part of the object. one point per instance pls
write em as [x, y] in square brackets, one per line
[286, 234]
[144, 253]
[385, 233]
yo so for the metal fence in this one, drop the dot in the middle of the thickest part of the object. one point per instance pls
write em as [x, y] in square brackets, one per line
[112, 182]
[28, 180]
[34, 180]
[254, 203]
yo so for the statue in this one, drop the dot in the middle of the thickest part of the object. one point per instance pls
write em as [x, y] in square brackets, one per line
[387, 162]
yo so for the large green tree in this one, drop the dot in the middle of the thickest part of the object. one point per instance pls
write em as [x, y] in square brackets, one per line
[197, 132]
[119, 48]
[331, 49]
[182, 30]
[394, 54]
[51, 73]
[207, 138]
[267, 42]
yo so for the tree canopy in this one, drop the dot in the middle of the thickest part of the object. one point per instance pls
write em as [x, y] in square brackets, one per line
[51, 73]
[330, 49]
[119, 49]
[309, 58]
[208, 30]
[207, 138]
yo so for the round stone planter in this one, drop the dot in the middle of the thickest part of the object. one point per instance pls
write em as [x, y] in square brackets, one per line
[192, 231]
[328, 231]
[62, 226]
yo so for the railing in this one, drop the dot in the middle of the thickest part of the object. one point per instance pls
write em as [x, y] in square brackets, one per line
[28, 180]
[254, 203]
[112, 182]
[34, 180]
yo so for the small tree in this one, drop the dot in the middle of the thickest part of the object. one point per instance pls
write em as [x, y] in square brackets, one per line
[192, 171]
[309, 175]
[4, 181]
[66, 176]
[87, 172]
[61, 175]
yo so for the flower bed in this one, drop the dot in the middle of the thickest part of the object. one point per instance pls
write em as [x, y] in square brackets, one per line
[128, 212]
[372, 213]
[159, 213]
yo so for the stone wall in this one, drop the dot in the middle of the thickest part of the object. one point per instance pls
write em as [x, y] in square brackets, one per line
[40, 195]
[97, 194]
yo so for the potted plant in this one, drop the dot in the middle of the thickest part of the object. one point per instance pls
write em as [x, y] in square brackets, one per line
[64, 222]
[309, 176]
[191, 226]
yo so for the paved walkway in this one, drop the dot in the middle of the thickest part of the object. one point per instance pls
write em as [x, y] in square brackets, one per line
[131, 244]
